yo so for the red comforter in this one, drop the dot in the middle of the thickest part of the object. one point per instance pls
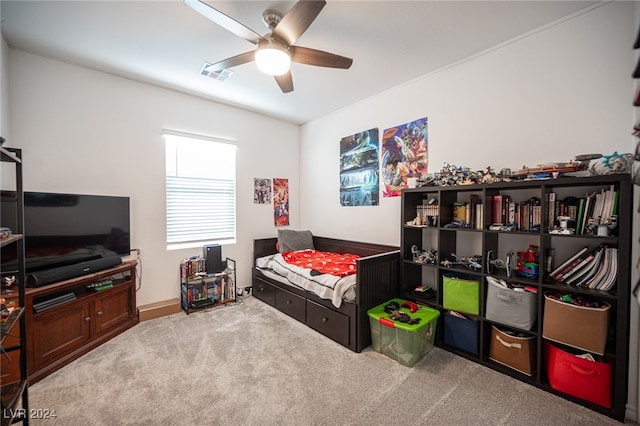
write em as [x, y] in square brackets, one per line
[337, 264]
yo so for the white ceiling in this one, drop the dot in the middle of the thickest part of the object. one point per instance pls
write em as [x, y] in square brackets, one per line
[166, 43]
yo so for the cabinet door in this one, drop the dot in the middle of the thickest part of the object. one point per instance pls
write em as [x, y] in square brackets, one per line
[112, 309]
[10, 360]
[58, 331]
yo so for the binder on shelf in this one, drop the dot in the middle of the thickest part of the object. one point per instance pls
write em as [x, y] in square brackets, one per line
[588, 270]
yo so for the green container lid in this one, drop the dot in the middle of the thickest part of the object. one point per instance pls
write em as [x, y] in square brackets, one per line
[425, 314]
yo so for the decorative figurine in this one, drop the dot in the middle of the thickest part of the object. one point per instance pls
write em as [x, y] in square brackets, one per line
[493, 263]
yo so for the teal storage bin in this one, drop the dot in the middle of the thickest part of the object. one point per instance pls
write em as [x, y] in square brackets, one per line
[406, 343]
[461, 294]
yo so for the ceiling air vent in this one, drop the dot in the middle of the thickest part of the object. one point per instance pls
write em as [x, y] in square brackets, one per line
[220, 75]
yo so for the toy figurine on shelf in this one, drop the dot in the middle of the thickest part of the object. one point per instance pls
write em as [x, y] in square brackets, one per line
[564, 226]
[424, 256]
[493, 263]
[8, 282]
[488, 176]
[528, 266]
[611, 164]
[471, 262]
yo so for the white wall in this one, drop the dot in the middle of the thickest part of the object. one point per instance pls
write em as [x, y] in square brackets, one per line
[83, 131]
[556, 93]
[561, 91]
[546, 97]
[4, 89]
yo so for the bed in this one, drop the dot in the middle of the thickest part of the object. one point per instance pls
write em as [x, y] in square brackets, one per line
[376, 280]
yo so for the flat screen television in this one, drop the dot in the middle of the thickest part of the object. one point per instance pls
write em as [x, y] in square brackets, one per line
[66, 229]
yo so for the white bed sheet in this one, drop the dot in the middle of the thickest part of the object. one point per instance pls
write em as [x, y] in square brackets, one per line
[326, 286]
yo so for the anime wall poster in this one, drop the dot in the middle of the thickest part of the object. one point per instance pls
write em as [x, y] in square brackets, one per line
[404, 155]
[261, 191]
[281, 201]
[359, 165]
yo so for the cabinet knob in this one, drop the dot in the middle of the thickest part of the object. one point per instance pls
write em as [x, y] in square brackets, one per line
[288, 302]
[325, 319]
[87, 319]
[99, 313]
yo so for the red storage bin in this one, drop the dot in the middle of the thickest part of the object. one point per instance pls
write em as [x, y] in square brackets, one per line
[579, 377]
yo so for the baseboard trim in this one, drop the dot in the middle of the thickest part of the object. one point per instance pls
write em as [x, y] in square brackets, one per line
[159, 309]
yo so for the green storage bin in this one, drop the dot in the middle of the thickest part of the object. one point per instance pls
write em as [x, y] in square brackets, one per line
[461, 294]
[406, 343]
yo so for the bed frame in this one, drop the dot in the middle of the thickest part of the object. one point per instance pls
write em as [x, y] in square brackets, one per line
[376, 282]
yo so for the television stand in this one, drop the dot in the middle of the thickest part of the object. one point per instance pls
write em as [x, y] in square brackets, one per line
[60, 334]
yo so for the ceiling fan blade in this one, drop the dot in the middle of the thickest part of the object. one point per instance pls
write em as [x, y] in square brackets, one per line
[285, 81]
[297, 20]
[224, 21]
[234, 61]
[307, 56]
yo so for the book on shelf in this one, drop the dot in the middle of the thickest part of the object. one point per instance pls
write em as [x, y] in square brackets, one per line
[551, 218]
[579, 218]
[579, 279]
[568, 264]
[497, 208]
[479, 216]
[576, 265]
[609, 279]
[605, 276]
[511, 211]
[472, 211]
[588, 211]
[596, 208]
[597, 270]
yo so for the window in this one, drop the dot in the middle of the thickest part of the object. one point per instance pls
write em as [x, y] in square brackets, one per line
[200, 190]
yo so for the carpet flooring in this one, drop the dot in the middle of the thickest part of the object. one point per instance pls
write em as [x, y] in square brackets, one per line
[249, 364]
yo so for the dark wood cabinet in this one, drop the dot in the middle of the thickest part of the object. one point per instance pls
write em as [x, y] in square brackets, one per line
[430, 246]
[60, 334]
[56, 332]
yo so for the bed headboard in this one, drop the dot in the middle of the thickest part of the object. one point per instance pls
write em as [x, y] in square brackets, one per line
[264, 247]
[353, 247]
[267, 246]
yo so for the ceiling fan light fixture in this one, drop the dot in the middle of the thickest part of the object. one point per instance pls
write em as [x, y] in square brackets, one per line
[273, 59]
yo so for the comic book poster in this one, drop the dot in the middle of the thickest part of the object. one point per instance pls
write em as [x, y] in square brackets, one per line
[359, 165]
[281, 201]
[261, 191]
[404, 155]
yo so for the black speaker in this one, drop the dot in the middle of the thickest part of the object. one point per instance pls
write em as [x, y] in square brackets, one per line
[48, 276]
[213, 258]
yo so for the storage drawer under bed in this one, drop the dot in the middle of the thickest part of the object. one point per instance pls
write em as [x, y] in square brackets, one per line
[291, 304]
[264, 291]
[330, 323]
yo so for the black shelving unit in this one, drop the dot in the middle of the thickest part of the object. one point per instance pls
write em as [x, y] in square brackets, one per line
[201, 290]
[15, 393]
[438, 234]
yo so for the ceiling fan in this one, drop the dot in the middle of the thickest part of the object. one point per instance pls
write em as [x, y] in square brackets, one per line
[276, 50]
